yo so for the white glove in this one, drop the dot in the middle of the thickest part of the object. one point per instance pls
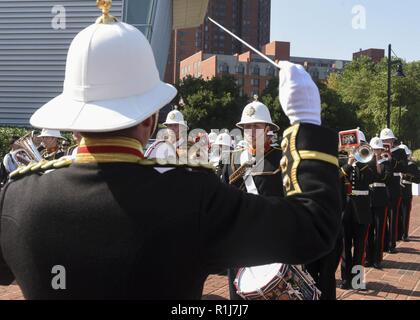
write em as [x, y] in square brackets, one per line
[299, 96]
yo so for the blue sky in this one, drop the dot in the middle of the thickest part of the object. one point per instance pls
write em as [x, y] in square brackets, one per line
[323, 28]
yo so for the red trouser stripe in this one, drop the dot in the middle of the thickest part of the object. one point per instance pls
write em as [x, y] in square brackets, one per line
[383, 231]
[364, 246]
[397, 218]
[408, 217]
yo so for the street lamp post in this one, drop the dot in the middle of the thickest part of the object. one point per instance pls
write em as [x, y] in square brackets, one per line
[399, 74]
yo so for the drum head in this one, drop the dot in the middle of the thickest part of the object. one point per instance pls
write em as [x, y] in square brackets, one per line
[253, 279]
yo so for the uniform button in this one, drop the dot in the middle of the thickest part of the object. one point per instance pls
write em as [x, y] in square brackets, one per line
[284, 164]
[285, 145]
[287, 183]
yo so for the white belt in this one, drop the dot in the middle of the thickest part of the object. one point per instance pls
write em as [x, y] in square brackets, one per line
[378, 185]
[397, 174]
[406, 182]
[359, 193]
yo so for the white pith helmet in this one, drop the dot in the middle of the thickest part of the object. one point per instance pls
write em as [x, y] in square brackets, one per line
[407, 150]
[212, 137]
[362, 136]
[376, 143]
[45, 133]
[387, 134]
[224, 140]
[175, 117]
[256, 112]
[111, 83]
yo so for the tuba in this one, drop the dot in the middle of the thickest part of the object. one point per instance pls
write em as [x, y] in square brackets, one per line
[27, 151]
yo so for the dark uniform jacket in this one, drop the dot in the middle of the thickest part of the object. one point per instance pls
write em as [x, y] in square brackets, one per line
[399, 165]
[378, 193]
[269, 180]
[411, 176]
[360, 176]
[129, 231]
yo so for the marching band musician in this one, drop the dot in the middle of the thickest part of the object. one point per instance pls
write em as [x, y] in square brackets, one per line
[411, 176]
[175, 147]
[50, 141]
[220, 153]
[9, 162]
[399, 166]
[118, 236]
[357, 216]
[266, 176]
[380, 166]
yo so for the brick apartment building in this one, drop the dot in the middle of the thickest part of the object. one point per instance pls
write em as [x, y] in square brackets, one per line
[249, 19]
[252, 73]
[375, 54]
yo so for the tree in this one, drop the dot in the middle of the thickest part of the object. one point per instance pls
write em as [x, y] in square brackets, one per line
[213, 104]
[363, 84]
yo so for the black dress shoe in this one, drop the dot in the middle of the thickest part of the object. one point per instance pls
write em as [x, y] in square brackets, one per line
[368, 264]
[377, 265]
[345, 285]
[405, 239]
[393, 251]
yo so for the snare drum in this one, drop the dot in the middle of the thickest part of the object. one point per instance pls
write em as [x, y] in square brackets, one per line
[276, 282]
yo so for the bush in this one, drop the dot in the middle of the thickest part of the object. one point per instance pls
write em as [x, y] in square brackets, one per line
[5, 134]
[416, 156]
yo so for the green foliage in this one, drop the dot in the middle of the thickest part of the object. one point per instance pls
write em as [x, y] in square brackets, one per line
[364, 85]
[270, 97]
[213, 104]
[5, 134]
[416, 155]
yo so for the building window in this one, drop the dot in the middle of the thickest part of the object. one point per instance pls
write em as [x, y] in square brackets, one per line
[240, 81]
[223, 68]
[255, 82]
[141, 15]
[256, 70]
[271, 72]
[240, 69]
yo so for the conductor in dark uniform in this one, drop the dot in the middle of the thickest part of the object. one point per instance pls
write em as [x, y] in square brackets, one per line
[107, 225]
[357, 217]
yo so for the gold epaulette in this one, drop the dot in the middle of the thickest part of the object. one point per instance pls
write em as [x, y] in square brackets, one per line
[39, 167]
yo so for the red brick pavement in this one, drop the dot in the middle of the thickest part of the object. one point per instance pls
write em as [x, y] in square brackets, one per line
[399, 279]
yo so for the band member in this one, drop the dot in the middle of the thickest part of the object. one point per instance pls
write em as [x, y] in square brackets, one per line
[220, 154]
[175, 146]
[411, 176]
[118, 239]
[357, 216]
[380, 166]
[265, 176]
[72, 151]
[399, 166]
[50, 141]
[9, 162]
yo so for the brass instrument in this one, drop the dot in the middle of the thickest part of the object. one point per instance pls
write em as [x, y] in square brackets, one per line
[238, 174]
[364, 153]
[27, 151]
[351, 144]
